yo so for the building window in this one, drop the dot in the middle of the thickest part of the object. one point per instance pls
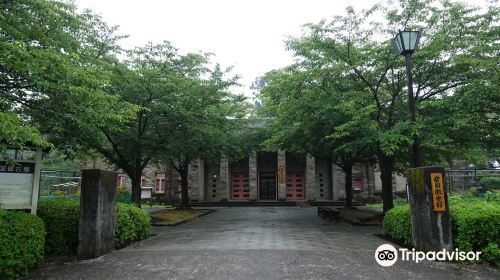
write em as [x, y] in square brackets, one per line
[160, 183]
[120, 182]
[143, 181]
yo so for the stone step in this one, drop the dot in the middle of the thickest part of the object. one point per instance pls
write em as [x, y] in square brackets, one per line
[268, 203]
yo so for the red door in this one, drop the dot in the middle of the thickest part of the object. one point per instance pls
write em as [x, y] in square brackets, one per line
[295, 186]
[240, 189]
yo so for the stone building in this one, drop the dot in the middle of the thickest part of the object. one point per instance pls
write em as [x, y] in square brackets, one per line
[262, 176]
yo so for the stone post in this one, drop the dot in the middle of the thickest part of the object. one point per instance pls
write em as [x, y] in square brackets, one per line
[96, 230]
[338, 178]
[194, 180]
[201, 179]
[281, 175]
[252, 175]
[310, 177]
[430, 218]
[224, 178]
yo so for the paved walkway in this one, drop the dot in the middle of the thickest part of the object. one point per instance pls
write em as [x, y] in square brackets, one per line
[258, 243]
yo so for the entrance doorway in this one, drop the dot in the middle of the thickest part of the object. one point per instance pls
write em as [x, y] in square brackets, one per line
[295, 186]
[267, 185]
[239, 186]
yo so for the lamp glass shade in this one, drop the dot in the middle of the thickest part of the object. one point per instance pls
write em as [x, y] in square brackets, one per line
[406, 41]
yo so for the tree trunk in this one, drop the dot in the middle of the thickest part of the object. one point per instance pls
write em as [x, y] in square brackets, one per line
[386, 169]
[348, 186]
[136, 188]
[184, 187]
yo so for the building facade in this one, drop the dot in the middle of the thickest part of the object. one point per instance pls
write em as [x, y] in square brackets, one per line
[262, 176]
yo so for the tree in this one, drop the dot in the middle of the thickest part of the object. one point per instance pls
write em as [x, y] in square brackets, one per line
[53, 70]
[308, 118]
[354, 53]
[205, 116]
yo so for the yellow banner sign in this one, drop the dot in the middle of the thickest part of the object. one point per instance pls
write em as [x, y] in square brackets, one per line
[282, 174]
[438, 197]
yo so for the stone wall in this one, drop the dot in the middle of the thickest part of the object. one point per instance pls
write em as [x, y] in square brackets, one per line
[252, 175]
[310, 178]
[212, 181]
[323, 179]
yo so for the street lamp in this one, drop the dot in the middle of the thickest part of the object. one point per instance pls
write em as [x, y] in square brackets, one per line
[406, 42]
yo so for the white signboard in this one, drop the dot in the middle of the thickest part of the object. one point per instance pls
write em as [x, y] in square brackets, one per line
[19, 183]
[146, 193]
[16, 190]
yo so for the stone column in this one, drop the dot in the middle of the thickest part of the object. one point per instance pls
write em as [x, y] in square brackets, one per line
[194, 180]
[96, 230]
[281, 175]
[310, 177]
[430, 217]
[169, 185]
[201, 180]
[338, 183]
[224, 181]
[252, 175]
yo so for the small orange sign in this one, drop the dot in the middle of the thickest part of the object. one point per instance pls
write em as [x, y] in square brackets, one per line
[438, 197]
[282, 174]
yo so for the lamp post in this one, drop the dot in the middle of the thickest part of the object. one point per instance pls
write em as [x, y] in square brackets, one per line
[406, 42]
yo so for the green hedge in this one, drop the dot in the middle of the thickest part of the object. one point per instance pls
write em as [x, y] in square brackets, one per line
[490, 183]
[21, 243]
[397, 224]
[61, 218]
[132, 224]
[475, 226]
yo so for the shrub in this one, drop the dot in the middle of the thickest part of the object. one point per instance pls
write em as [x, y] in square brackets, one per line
[123, 195]
[61, 218]
[59, 194]
[490, 182]
[122, 191]
[397, 224]
[21, 243]
[491, 253]
[475, 226]
[132, 224]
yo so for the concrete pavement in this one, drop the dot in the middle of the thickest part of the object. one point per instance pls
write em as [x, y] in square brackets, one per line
[258, 243]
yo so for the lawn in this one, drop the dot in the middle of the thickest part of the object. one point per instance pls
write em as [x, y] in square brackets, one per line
[171, 217]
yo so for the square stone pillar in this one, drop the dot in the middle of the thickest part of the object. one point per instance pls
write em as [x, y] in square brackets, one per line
[338, 183]
[281, 175]
[310, 177]
[225, 180]
[430, 217]
[201, 180]
[96, 230]
[194, 180]
[252, 175]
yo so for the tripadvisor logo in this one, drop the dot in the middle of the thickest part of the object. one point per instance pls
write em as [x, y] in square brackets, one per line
[387, 255]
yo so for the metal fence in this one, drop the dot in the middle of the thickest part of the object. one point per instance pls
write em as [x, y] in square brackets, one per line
[463, 180]
[59, 184]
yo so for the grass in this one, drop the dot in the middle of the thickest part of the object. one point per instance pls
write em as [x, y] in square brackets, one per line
[146, 205]
[375, 205]
[171, 217]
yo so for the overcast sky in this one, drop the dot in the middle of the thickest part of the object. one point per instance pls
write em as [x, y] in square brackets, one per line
[247, 34]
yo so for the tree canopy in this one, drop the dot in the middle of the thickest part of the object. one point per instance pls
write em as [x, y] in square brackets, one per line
[352, 58]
